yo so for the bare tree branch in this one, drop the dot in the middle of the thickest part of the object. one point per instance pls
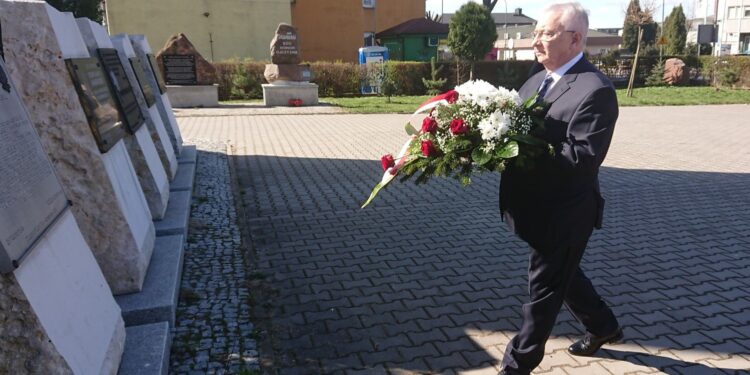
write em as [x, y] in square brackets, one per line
[490, 4]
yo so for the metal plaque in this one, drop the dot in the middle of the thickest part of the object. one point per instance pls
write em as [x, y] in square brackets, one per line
[124, 95]
[31, 197]
[180, 69]
[157, 73]
[97, 101]
[148, 91]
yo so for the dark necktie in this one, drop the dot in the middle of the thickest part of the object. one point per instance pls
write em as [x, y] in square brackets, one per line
[545, 86]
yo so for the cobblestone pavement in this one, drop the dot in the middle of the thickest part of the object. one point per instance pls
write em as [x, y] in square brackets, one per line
[213, 333]
[428, 280]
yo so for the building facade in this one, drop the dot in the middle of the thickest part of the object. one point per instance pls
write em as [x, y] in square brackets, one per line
[219, 29]
[734, 27]
[414, 40]
[333, 30]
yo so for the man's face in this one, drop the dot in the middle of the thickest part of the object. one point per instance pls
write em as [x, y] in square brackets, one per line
[553, 44]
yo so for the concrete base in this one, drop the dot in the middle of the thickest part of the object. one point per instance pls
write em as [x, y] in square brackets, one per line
[157, 302]
[184, 179]
[279, 94]
[189, 155]
[178, 214]
[193, 96]
[146, 350]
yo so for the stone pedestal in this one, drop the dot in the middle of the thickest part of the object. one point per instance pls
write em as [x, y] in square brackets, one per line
[163, 105]
[141, 147]
[193, 96]
[279, 93]
[108, 203]
[154, 122]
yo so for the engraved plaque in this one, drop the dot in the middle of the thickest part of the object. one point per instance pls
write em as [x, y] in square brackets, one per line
[97, 101]
[157, 73]
[31, 198]
[180, 69]
[148, 91]
[122, 89]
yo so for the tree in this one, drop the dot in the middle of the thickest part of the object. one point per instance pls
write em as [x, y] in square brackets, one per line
[472, 33]
[81, 8]
[490, 4]
[636, 18]
[675, 31]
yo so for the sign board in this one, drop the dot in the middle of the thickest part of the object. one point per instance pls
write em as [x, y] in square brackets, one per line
[726, 49]
[662, 41]
[124, 95]
[372, 58]
[97, 101]
[140, 75]
[180, 69]
[31, 197]
[707, 34]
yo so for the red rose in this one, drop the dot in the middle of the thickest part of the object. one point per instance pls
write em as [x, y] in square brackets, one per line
[387, 161]
[428, 149]
[429, 125]
[451, 96]
[458, 126]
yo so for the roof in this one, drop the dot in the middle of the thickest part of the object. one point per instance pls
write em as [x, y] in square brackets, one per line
[500, 19]
[595, 38]
[415, 26]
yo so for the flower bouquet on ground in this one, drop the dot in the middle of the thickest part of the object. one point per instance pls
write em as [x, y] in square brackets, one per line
[474, 128]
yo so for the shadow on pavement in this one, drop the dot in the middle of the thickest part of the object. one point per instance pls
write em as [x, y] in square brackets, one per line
[428, 279]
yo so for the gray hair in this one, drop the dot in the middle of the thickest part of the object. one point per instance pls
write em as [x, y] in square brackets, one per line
[573, 16]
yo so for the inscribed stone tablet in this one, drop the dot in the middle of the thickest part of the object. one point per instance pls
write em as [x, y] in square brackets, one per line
[122, 89]
[97, 101]
[180, 69]
[31, 198]
[157, 73]
[148, 91]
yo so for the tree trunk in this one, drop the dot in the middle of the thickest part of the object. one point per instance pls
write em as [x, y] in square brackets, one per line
[471, 72]
[635, 63]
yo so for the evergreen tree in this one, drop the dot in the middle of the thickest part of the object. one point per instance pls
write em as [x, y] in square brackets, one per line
[675, 31]
[636, 17]
[472, 33]
[81, 8]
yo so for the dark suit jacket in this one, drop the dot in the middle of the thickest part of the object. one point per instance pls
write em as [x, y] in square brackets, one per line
[549, 204]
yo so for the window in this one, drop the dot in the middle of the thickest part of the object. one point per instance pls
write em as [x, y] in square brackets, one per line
[368, 3]
[747, 12]
[432, 41]
[732, 12]
[369, 39]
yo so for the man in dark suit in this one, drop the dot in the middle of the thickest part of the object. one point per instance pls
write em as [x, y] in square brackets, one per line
[555, 203]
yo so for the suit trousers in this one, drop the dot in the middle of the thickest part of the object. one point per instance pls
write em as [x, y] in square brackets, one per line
[556, 278]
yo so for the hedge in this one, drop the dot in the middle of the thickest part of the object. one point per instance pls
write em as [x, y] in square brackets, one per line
[243, 79]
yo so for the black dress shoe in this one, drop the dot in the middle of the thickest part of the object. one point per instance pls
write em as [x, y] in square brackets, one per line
[590, 344]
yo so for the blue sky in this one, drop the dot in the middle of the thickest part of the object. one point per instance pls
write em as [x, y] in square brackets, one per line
[602, 13]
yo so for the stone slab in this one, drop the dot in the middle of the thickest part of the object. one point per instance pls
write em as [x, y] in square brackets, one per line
[193, 96]
[178, 213]
[185, 178]
[36, 40]
[146, 350]
[189, 155]
[280, 94]
[157, 302]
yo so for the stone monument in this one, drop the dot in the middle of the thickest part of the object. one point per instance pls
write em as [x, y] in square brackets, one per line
[675, 72]
[148, 92]
[107, 201]
[191, 80]
[153, 74]
[57, 314]
[140, 145]
[288, 80]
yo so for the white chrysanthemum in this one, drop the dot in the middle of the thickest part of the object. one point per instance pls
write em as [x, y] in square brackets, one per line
[504, 95]
[494, 126]
[478, 92]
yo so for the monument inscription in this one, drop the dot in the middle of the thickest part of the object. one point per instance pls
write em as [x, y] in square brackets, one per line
[140, 75]
[122, 89]
[97, 101]
[31, 197]
[157, 73]
[180, 69]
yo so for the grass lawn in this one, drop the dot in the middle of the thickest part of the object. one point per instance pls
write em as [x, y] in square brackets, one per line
[646, 96]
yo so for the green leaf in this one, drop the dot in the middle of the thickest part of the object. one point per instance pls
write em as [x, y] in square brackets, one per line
[480, 157]
[374, 193]
[410, 130]
[509, 151]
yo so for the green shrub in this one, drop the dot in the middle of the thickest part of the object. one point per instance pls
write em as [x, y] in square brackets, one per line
[336, 78]
[656, 78]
